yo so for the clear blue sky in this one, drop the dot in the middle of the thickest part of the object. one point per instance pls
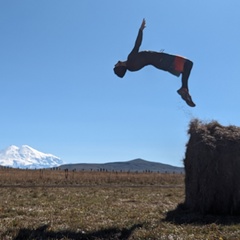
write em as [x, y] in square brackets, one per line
[59, 94]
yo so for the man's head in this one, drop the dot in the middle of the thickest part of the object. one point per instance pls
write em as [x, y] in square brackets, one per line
[120, 69]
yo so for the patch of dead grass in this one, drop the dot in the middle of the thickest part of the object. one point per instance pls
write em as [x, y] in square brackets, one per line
[101, 211]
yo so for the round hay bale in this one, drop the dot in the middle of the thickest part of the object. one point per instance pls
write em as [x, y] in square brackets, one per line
[212, 168]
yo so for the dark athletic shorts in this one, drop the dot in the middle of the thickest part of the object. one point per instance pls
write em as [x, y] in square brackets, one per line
[178, 66]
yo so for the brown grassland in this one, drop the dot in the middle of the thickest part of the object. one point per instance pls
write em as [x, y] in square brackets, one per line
[48, 204]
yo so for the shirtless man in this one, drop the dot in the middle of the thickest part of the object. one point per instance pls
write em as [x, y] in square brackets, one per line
[173, 64]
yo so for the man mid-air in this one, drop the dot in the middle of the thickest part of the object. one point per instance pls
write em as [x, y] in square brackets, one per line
[175, 65]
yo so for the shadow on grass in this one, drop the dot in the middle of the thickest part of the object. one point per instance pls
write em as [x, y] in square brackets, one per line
[43, 233]
[181, 215]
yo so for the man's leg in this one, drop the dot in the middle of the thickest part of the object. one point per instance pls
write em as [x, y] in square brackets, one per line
[183, 91]
[186, 73]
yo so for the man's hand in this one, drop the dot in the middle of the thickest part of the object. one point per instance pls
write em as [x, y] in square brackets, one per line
[143, 25]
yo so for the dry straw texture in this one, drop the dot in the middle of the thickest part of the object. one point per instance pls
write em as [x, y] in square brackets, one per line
[212, 168]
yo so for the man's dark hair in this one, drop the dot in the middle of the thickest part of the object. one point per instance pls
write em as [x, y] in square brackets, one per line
[120, 71]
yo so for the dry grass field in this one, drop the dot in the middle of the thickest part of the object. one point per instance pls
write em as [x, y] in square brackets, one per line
[48, 204]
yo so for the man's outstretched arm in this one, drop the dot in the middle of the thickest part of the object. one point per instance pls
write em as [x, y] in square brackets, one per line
[138, 41]
[143, 25]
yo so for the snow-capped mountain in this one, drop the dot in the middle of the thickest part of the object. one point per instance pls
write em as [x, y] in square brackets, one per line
[27, 157]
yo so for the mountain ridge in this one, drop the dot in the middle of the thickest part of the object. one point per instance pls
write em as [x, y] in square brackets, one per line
[30, 158]
[135, 165]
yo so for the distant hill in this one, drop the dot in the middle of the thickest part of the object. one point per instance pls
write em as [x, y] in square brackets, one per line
[136, 165]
